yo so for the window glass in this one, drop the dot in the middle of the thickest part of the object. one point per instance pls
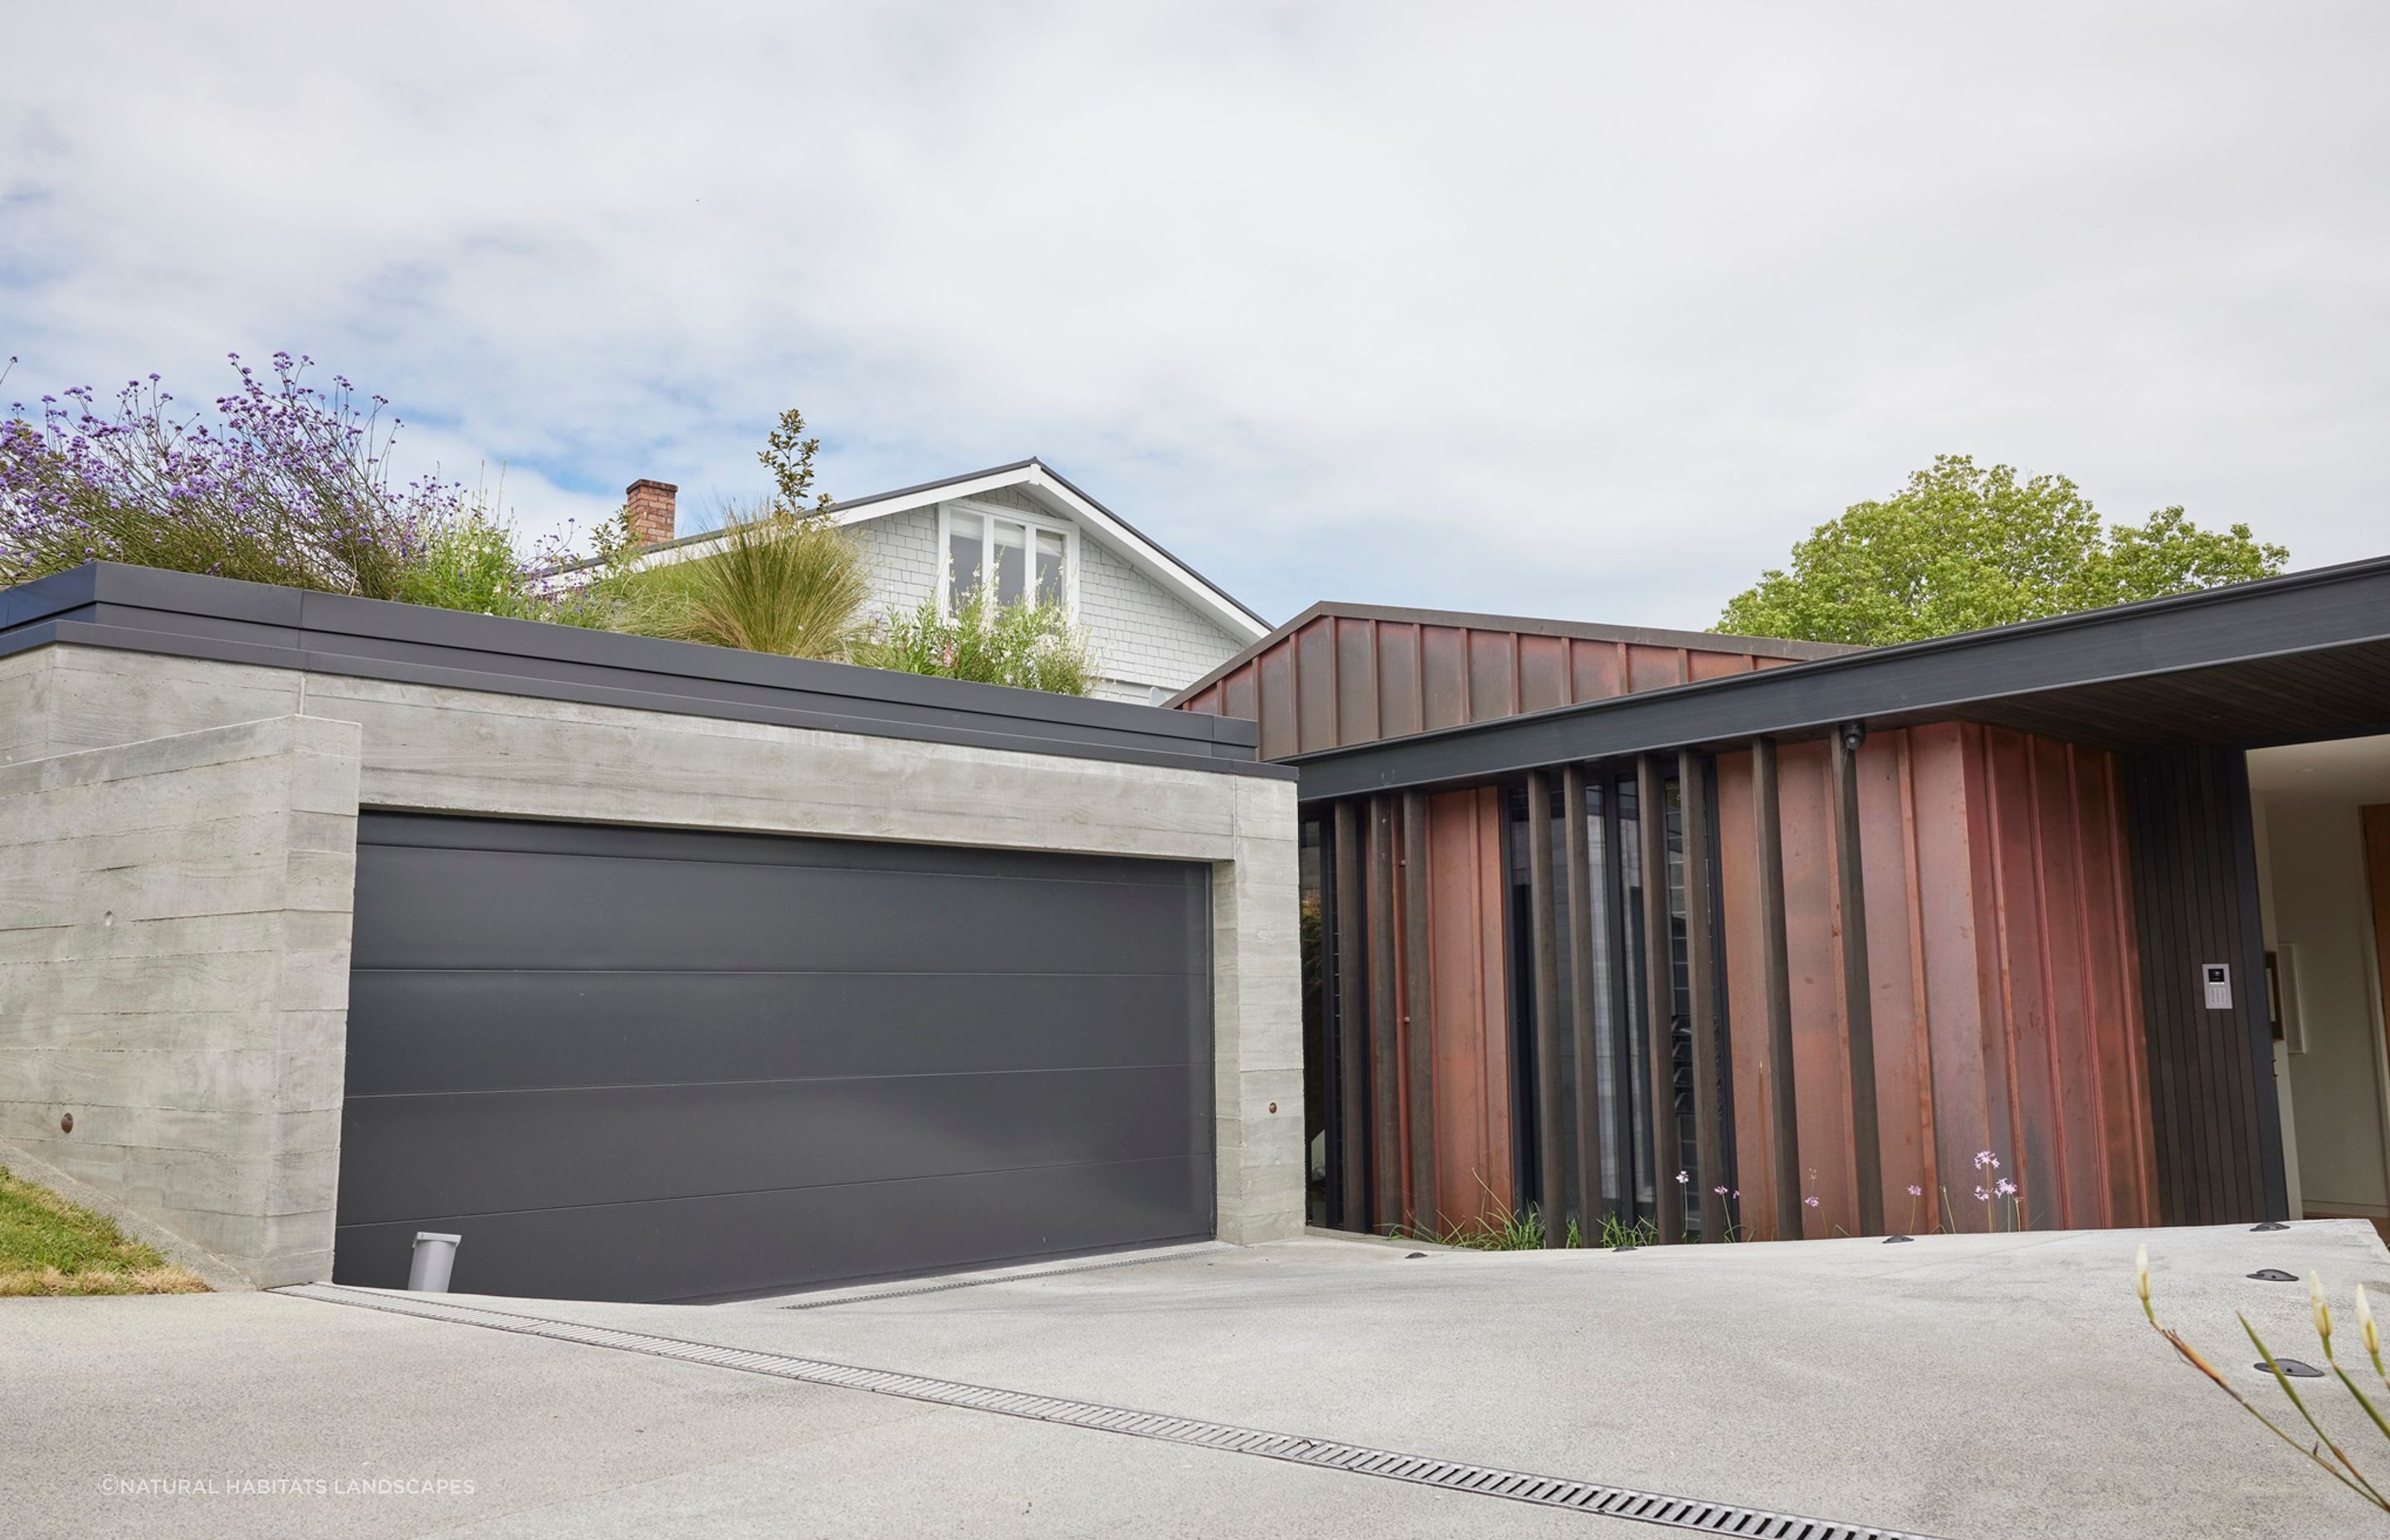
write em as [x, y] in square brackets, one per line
[963, 555]
[1049, 567]
[1012, 562]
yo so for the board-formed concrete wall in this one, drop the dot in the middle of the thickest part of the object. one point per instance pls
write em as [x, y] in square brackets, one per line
[433, 749]
[174, 979]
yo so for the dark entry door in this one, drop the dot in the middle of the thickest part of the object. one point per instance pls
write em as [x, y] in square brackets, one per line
[635, 1064]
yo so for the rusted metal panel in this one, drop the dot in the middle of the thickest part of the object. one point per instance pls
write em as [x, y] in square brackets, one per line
[1745, 987]
[2031, 1153]
[1315, 685]
[1776, 1003]
[1240, 693]
[1652, 668]
[1275, 681]
[1596, 670]
[1444, 673]
[1469, 1004]
[1543, 673]
[1895, 952]
[1814, 987]
[1493, 674]
[2109, 997]
[1417, 1032]
[1398, 678]
[1859, 990]
[2074, 1064]
[2000, 1003]
[1333, 679]
[1709, 1130]
[1356, 681]
[1947, 908]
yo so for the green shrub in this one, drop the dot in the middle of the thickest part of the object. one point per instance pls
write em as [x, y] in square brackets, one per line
[1035, 646]
[469, 562]
[775, 582]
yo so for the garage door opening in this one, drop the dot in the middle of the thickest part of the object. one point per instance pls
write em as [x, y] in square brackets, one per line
[656, 1065]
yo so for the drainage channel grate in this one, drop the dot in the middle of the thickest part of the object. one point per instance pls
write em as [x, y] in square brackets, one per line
[1610, 1502]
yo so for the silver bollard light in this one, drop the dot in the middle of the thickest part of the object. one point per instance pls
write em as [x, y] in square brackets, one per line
[435, 1256]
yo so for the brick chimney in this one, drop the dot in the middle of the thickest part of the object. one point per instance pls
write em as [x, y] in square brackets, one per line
[652, 518]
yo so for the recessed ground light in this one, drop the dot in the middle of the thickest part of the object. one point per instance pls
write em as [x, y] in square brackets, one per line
[1413, 1255]
[2270, 1224]
[2274, 1275]
[2293, 1368]
[1625, 1248]
[1897, 1239]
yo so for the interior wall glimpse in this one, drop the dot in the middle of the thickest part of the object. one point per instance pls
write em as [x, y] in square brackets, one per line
[2321, 910]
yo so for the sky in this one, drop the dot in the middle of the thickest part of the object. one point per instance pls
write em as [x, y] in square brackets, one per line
[1583, 311]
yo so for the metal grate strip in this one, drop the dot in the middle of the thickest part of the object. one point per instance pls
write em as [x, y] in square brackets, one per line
[1483, 1480]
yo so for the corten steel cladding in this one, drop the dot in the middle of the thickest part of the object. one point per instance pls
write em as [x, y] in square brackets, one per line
[1362, 674]
[1418, 1018]
[2001, 970]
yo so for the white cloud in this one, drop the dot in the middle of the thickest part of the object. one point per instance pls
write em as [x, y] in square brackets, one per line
[1569, 310]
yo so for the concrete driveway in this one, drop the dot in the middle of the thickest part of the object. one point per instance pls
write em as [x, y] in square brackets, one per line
[1953, 1386]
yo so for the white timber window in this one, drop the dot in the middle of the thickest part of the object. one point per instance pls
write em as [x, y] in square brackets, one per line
[1024, 558]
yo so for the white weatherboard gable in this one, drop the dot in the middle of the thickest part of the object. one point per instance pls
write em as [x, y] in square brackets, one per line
[1152, 638]
[1054, 495]
[1158, 627]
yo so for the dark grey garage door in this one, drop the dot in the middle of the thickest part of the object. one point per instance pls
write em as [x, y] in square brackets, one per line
[631, 1064]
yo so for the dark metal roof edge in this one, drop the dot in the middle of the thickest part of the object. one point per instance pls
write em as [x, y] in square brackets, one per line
[1080, 492]
[1794, 677]
[1524, 625]
[136, 609]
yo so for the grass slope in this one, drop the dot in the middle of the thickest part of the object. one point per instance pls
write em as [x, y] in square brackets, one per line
[48, 1246]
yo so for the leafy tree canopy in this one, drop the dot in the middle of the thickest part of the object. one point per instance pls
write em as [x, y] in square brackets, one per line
[1963, 546]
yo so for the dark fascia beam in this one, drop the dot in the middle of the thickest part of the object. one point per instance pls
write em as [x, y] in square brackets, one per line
[190, 615]
[2304, 612]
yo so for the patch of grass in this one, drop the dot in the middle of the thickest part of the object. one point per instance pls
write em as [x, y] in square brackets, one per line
[49, 1246]
[1519, 1231]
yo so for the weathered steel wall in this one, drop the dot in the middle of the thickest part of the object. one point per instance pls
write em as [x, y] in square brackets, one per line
[1469, 1017]
[1344, 679]
[2003, 977]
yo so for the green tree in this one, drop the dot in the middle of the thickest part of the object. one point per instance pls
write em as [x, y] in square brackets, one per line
[1964, 546]
[788, 454]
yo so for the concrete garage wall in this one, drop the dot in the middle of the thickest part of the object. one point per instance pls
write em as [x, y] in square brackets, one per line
[433, 749]
[174, 978]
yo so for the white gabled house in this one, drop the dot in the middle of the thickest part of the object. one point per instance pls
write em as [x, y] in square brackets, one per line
[1158, 624]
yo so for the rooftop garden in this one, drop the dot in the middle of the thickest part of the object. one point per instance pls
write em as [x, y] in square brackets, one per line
[287, 481]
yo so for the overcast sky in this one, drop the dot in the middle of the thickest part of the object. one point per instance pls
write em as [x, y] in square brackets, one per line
[1582, 311]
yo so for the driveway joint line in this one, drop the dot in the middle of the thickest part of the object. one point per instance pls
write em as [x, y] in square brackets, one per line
[1174, 1255]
